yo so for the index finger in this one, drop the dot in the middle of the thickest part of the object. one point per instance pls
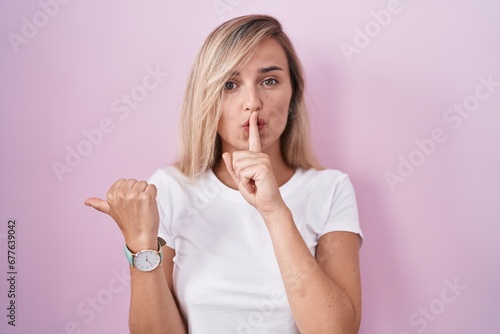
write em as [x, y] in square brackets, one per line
[253, 133]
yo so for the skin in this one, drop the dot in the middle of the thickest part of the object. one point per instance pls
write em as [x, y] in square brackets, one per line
[324, 292]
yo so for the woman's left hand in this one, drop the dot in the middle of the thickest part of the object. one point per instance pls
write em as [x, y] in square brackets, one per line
[252, 171]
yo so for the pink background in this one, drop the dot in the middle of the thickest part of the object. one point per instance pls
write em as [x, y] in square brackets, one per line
[438, 226]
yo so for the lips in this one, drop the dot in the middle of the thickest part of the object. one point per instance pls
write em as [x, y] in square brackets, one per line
[260, 124]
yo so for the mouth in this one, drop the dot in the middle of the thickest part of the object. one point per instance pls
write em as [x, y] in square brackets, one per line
[260, 125]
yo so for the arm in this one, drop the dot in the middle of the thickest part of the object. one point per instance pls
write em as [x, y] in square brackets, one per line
[153, 308]
[324, 293]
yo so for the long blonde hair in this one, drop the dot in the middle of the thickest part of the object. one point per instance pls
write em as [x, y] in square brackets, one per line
[225, 51]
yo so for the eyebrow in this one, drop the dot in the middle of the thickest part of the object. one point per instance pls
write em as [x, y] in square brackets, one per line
[270, 69]
[263, 70]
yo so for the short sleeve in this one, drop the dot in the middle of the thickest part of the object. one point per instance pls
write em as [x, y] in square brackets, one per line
[160, 180]
[343, 215]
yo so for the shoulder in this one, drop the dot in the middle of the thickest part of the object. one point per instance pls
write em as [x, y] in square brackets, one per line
[168, 174]
[323, 178]
[171, 180]
[324, 187]
[326, 173]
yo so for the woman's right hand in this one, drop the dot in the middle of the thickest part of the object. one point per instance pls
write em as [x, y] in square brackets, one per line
[132, 204]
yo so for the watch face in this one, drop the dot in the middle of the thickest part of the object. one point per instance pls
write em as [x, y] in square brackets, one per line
[146, 260]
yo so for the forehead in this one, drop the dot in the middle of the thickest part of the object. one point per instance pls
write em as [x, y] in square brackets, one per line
[268, 53]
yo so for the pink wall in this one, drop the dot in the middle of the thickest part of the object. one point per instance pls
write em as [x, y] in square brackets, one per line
[382, 109]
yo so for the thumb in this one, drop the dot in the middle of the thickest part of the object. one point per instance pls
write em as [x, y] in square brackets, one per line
[98, 204]
[229, 165]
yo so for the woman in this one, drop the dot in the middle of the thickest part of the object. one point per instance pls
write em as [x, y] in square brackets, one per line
[259, 238]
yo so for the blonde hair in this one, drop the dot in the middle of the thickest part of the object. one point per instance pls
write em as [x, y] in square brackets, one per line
[225, 51]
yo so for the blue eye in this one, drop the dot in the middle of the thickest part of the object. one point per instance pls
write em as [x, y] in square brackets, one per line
[270, 82]
[229, 85]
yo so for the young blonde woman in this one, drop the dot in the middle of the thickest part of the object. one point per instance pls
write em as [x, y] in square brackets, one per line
[259, 238]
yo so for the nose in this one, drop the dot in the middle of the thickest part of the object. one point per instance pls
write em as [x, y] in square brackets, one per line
[251, 100]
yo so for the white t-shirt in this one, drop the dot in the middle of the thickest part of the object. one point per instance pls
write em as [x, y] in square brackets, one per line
[226, 276]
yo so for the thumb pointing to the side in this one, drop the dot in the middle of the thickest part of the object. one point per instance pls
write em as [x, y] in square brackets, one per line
[98, 204]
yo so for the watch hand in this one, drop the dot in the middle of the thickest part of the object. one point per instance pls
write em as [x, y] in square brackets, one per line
[147, 260]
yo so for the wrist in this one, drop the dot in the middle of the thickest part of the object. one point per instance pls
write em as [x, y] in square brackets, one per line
[147, 259]
[141, 243]
[274, 217]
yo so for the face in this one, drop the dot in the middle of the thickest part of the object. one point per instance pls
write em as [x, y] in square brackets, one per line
[262, 85]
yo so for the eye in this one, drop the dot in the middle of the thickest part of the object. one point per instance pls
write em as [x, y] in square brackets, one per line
[270, 82]
[229, 85]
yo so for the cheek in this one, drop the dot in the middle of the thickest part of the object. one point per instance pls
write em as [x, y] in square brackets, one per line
[279, 115]
[226, 123]
[222, 127]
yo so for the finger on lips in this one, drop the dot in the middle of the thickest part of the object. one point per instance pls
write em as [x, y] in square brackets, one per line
[254, 145]
[253, 133]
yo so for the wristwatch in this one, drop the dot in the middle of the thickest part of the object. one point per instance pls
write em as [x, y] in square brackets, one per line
[147, 259]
